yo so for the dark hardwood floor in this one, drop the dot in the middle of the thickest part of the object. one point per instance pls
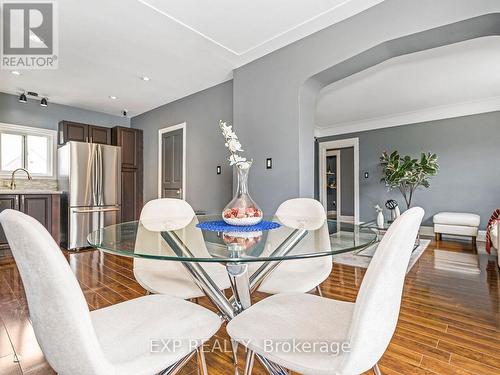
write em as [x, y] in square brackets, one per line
[449, 321]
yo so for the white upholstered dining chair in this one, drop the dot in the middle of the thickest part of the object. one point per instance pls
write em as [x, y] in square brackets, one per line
[170, 277]
[301, 275]
[111, 340]
[365, 327]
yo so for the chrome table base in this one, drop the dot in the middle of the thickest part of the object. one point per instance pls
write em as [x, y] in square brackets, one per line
[242, 286]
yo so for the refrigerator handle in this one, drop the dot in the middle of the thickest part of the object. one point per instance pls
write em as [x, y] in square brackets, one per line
[98, 174]
[101, 177]
[95, 183]
[87, 210]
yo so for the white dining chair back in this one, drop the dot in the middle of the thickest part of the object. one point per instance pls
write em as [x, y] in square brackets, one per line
[379, 298]
[166, 276]
[162, 215]
[301, 275]
[166, 214]
[307, 213]
[304, 213]
[58, 310]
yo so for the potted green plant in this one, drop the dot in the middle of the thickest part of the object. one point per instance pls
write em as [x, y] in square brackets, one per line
[406, 173]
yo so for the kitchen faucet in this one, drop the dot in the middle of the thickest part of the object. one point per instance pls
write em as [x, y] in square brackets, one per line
[13, 178]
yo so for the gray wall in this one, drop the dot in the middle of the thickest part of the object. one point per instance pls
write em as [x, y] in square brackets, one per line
[205, 146]
[468, 151]
[269, 92]
[31, 114]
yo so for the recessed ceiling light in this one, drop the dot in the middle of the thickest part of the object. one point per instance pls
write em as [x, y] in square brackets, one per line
[145, 78]
[112, 97]
[15, 72]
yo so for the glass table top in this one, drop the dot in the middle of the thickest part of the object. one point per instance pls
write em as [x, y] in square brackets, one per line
[373, 224]
[179, 239]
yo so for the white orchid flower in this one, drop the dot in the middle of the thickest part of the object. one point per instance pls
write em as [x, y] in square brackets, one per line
[228, 133]
[233, 145]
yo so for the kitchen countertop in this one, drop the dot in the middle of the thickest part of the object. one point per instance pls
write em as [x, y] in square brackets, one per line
[28, 191]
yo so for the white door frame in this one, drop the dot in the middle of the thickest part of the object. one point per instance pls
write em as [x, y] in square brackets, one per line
[340, 143]
[184, 153]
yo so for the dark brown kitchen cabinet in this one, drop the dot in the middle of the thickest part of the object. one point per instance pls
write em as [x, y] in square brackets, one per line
[99, 134]
[74, 131]
[130, 141]
[39, 207]
[7, 202]
[43, 207]
[131, 209]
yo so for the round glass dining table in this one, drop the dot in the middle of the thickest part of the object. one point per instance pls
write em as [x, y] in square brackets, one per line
[239, 250]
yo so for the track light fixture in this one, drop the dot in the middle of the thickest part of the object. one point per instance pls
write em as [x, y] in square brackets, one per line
[23, 98]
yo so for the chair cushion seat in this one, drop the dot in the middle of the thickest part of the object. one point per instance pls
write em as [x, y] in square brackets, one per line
[171, 278]
[457, 218]
[125, 332]
[295, 319]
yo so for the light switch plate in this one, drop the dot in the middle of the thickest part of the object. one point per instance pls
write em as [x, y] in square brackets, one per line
[269, 163]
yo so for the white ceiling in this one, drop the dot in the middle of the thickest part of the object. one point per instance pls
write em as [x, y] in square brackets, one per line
[444, 82]
[184, 46]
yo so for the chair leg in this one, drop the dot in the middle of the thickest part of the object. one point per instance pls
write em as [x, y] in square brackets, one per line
[318, 289]
[234, 349]
[202, 364]
[438, 237]
[249, 362]
[376, 370]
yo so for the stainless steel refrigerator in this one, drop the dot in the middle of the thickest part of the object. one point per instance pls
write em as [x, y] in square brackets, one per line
[89, 176]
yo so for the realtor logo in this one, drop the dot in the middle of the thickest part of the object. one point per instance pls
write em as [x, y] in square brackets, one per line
[29, 35]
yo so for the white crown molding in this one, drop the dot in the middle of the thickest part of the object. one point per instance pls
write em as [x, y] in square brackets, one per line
[429, 114]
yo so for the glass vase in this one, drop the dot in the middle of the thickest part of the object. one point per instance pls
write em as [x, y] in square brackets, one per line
[242, 210]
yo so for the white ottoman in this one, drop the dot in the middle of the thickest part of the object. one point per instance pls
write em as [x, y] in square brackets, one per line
[457, 223]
